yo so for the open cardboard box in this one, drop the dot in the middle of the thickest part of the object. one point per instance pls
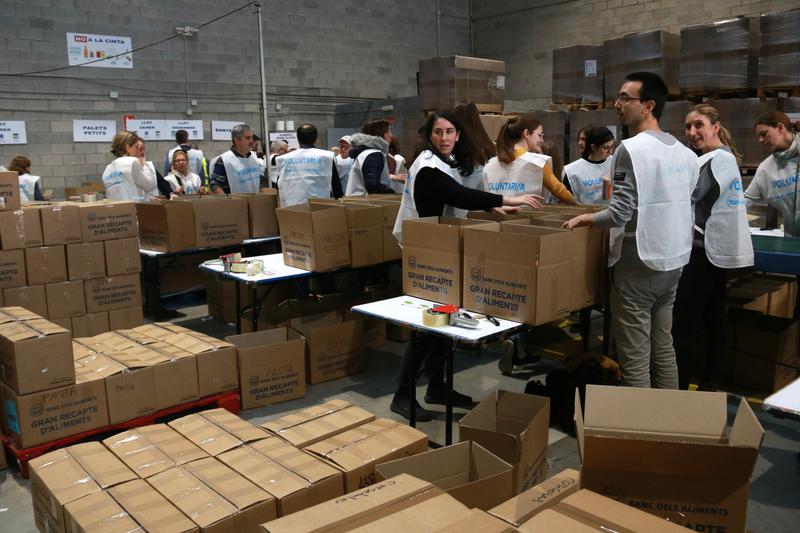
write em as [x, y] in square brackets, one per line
[314, 236]
[536, 499]
[669, 453]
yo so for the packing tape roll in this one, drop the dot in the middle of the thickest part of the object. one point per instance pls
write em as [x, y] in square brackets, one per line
[432, 319]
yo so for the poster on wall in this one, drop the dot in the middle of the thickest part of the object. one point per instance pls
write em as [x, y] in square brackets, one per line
[13, 132]
[93, 131]
[94, 49]
[289, 136]
[193, 127]
[148, 129]
[221, 129]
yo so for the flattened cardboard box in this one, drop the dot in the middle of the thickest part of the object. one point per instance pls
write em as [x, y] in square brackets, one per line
[20, 229]
[625, 428]
[101, 221]
[432, 257]
[61, 223]
[220, 221]
[122, 256]
[261, 208]
[86, 260]
[31, 297]
[12, 269]
[314, 236]
[125, 318]
[46, 264]
[271, 366]
[466, 471]
[117, 292]
[514, 427]
[522, 507]
[9, 191]
[166, 226]
[306, 426]
[150, 509]
[518, 272]
[65, 300]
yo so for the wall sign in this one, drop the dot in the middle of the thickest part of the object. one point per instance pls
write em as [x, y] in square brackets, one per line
[221, 129]
[193, 127]
[85, 48]
[13, 132]
[93, 131]
[148, 129]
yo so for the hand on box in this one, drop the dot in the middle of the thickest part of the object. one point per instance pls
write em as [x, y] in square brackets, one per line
[579, 221]
[400, 178]
[530, 200]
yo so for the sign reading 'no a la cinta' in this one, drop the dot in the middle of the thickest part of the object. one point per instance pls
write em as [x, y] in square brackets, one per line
[108, 51]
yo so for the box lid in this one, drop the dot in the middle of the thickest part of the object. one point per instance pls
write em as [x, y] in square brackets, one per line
[298, 461]
[136, 451]
[103, 466]
[263, 471]
[231, 485]
[197, 501]
[239, 428]
[149, 508]
[307, 426]
[30, 329]
[63, 475]
[205, 434]
[99, 512]
[194, 344]
[172, 444]
[478, 521]
[100, 366]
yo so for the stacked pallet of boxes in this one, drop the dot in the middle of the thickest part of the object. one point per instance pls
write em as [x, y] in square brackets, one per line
[446, 81]
[578, 75]
[780, 50]
[652, 51]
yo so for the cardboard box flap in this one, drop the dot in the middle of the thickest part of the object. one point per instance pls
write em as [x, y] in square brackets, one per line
[149, 508]
[101, 365]
[669, 414]
[316, 429]
[303, 415]
[63, 475]
[174, 445]
[80, 350]
[551, 241]
[100, 512]
[129, 360]
[17, 313]
[579, 431]
[241, 429]
[136, 451]
[190, 343]
[365, 451]
[428, 515]
[210, 437]
[154, 331]
[264, 472]
[349, 437]
[746, 429]
[363, 216]
[478, 522]
[197, 501]
[32, 329]
[231, 485]
[522, 507]
[148, 355]
[135, 336]
[114, 340]
[441, 233]
[103, 466]
[298, 461]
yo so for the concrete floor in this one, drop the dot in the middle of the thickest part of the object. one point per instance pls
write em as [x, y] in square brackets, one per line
[774, 504]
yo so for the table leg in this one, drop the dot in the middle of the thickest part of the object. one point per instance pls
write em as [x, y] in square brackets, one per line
[448, 417]
[412, 387]
[238, 300]
[254, 307]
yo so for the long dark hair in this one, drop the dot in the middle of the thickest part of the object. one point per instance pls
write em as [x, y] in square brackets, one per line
[462, 151]
[773, 118]
[511, 133]
[597, 136]
[483, 146]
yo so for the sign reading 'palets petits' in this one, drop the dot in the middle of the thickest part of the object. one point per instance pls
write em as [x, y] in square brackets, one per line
[93, 131]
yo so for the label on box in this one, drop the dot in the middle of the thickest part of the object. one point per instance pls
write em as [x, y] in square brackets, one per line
[500, 82]
[216, 233]
[112, 293]
[590, 68]
[11, 416]
[434, 282]
[275, 384]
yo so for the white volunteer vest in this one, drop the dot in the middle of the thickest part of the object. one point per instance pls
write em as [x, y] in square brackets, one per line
[305, 173]
[355, 182]
[195, 159]
[119, 179]
[525, 175]
[665, 178]
[727, 235]
[191, 183]
[27, 186]
[408, 208]
[151, 176]
[343, 166]
[244, 173]
[776, 181]
[586, 180]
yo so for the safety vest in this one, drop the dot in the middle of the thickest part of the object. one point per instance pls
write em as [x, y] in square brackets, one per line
[343, 166]
[27, 186]
[525, 175]
[586, 180]
[776, 182]
[191, 184]
[120, 177]
[665, 178]
[195, 159]
[305, 173]
[356, 185]
[408, 207]
[727, 235]
[244, 173]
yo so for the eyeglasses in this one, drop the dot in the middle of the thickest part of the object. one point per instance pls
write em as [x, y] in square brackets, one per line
[625, 99]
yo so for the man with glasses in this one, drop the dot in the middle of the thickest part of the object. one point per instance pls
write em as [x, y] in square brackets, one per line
[650, 221]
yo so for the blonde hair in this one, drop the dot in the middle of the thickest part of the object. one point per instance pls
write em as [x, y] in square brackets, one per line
[121, 140]
[724, 135]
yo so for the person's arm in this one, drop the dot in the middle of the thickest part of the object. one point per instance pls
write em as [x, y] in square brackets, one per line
[164, 187]
[142, 176]
[372, 170]
[167, 164]
[336, 183]
[37, 193]
[557, 188]
[753, 193]
[219, 178]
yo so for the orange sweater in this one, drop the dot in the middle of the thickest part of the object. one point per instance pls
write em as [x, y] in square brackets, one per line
[552, 183]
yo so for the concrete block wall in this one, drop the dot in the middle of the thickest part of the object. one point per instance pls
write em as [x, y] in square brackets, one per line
[525, 32]
[318, 55]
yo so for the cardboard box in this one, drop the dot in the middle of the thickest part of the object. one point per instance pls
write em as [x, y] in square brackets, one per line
[166, 226]
[53, 414]
[335, 344]
[391, 248]
[210, 511]
[466, 471]
[90, 324]
[126, 318]
[12, 268]
[31, 297]
[779, 49]
[589, 511]
[625, 428]
[314, 236]
[175, 446]
[432, 257]
[20, 228]
[130, 387]
[765, 350]
[752, 299]
[365, 233]
[149, 508]
[306, 426]
[255, 505]
[110, 293]
[514, 427]
[261, 212]
[86, 260]
[356, 452]
[577, 75]
[519, 272]
[271, 366]
[366, 507]
[122, 256]
[35, 354]
[206, 434]
[61, 223]
[97, 512]
[9, 191]
[655, 51]
[140, 455]
[174, 373]
[101, 221]
[46, 264]
[220, 221]
[778, 292]
[65, 299]
[216, 361]
[479, 521]
[239, 428]
[445, 81]
[493, 123]
[522, 507]
[221, 297]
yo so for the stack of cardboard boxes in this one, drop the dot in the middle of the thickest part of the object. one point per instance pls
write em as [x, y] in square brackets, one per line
[446, 81]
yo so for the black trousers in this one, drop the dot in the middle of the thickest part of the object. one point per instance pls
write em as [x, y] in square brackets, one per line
[423, 348]
[700, 297]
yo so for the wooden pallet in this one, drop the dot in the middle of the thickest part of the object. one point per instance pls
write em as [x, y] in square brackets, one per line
[484, 109]
[585, 106]
[227, 400]
[698, 96]
[775, 92]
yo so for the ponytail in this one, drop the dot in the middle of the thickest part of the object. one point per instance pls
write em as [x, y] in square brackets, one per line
[511, 133]
[726, 138]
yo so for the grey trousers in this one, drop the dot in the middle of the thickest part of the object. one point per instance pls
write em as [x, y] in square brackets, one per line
[641, 318]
